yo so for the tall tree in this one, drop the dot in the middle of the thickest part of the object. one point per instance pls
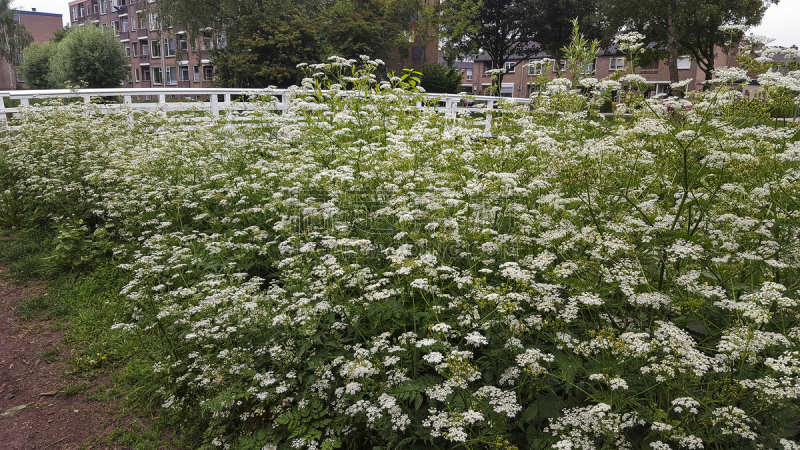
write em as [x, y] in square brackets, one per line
[554, 28]
[690, 26]
[701, 33]
[501, 28]
[13, 36]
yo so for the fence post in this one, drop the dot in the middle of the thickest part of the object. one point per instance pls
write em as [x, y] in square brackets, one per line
[214, 104]
[285, 102]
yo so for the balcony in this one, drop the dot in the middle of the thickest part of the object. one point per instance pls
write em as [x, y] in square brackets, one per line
[142, 32]
[144, 60]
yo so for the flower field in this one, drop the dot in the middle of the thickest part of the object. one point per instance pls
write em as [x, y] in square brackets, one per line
[359, 273]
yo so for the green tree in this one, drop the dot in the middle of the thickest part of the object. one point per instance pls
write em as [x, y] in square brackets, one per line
[35, 68]
[89, 55]
[267, 54]
[267, 38]
[676, 26]
[501, 28]
[441, 79]
[13, 36]
[554, 28]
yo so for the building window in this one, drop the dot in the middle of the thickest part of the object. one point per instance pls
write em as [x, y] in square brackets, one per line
[469, 75]
[153, 21]
[145, 48]
[135, 48]
[16, 18]
[196, 73]
[82, 11]
[172, 75]
[208, 73]
[136, 74]
[156, 49]
[115, 27]
[169, 47]
[184, 44]
[684, 63]
[184, 73]
[561, 67]
[590, 68]
[650, 68]
[128, 48]
[133, 23]
[207, 41]
[511, 67]
[125, 28]
[535, 68]
[145, 74]
[103, 7]
[222, 40]
[157, 76]
[74, 14]
[616, 64]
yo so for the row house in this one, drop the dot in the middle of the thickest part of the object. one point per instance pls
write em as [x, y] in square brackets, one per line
[159, 57]
[521, 72]
[41, 26]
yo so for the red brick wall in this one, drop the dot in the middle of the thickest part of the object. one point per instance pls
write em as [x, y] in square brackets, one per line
[41, 26]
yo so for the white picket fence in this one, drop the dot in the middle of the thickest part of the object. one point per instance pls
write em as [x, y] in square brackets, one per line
[217, 99]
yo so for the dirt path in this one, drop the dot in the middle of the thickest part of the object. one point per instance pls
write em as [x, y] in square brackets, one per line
[34, 412]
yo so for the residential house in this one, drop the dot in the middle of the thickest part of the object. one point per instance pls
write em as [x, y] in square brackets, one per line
[520, 73]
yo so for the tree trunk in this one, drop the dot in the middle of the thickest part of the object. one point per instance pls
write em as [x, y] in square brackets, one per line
[672, 42]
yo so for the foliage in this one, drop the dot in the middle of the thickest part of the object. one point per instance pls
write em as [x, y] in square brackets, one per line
[90, 56]
[580, 53]
[13, 36]
[441, 79]
[554, 24]
[500, 28]
[267, 53]
[358, 273]
[35, 68]
[267, 39]
[690, 26]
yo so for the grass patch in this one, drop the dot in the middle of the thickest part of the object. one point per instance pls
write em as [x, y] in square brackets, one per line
[50, 355]
[26, 255]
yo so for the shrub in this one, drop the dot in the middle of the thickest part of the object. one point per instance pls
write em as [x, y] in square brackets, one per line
[35, 66]
[441, 79]
[88, 56]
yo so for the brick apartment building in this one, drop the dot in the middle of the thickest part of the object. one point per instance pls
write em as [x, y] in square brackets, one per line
[41, 26]
[159, 57]
[516, 82]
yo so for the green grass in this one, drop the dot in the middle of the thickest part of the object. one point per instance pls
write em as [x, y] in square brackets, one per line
[26, 253]
[50, 355]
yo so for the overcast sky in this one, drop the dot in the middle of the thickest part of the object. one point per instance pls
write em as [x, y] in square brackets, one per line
[781, 22]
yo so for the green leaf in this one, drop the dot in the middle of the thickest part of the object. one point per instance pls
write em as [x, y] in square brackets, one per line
[11, 411]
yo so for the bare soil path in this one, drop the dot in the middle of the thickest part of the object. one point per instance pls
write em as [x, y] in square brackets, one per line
[36, 410]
